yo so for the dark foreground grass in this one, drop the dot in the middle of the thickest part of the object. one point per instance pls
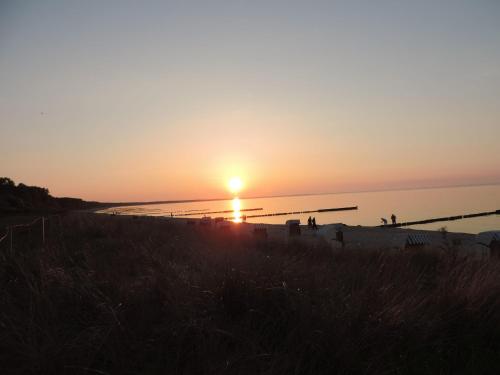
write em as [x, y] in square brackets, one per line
[116, 295]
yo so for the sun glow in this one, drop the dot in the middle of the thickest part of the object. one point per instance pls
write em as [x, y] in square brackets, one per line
[235, 185]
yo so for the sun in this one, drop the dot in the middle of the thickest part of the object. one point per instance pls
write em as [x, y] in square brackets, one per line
[235, 185]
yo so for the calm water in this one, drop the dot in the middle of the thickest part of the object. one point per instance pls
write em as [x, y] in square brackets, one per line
[407, 205]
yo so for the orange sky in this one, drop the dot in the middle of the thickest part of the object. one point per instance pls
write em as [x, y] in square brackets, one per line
[168, 101]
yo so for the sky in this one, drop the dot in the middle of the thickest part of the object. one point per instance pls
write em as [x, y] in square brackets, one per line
[158, 100]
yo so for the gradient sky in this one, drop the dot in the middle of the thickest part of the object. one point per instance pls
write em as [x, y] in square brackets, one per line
[146, 100]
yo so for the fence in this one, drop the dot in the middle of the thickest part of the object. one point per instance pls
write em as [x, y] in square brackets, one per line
[25, 233]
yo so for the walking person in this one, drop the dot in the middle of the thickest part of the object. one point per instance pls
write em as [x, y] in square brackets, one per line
[314, 223]
[393, 218]
[309, 222]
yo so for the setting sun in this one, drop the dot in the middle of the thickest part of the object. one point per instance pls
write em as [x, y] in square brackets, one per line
[235, 185]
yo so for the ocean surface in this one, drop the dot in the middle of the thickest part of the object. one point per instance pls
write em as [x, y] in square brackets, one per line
[407, 205]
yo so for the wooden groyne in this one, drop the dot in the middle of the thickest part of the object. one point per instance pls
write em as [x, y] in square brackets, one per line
[218, 212]
[300, 212]
[334, 209]
[439, 219]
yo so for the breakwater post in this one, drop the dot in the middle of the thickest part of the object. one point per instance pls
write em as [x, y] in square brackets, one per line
[439, 219]
[301, 212]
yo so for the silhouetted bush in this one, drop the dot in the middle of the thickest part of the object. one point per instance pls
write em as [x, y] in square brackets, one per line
[24, 199]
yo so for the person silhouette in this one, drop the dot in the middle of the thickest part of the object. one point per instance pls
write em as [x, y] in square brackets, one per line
[384, 220]
[393, 218]
[309, 222]
[314, 223]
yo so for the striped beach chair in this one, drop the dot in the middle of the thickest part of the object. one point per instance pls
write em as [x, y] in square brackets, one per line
[414, 240]
[487, 238]
[490, 239]
[293, 227]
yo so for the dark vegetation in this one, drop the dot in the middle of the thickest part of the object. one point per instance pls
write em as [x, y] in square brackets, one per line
[21, 198]
[122, 295]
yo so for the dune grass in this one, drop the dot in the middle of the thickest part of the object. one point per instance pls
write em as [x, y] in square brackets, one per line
[118, 295]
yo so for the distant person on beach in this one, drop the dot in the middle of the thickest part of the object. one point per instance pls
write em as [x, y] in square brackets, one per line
[393, 218]
[384, 220]
[309, 222]
[314, 226]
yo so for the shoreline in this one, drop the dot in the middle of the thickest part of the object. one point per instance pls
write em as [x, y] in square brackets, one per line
[287, 216]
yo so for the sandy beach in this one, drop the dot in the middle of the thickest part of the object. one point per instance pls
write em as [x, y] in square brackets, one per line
[355, 237]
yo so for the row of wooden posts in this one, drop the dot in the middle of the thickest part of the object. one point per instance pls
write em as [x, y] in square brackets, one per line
[439, 219]
[11, 229]
[218, 212]
[299, 212]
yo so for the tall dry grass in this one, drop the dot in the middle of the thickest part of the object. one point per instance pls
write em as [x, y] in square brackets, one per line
[118, 295]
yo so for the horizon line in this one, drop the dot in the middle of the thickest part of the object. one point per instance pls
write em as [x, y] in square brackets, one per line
[138, 203]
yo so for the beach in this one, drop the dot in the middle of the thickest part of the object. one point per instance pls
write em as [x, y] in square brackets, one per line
[355, 237]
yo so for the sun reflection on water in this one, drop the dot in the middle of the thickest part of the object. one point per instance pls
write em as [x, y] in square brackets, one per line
[236, 210]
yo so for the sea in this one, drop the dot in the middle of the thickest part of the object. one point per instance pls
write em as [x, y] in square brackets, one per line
[407, 205]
